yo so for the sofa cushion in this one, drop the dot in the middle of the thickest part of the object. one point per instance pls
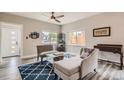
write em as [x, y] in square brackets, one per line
[69, 66]
[86, 52]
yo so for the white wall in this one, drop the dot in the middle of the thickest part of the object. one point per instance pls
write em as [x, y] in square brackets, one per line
[29, 25]
[114, 20]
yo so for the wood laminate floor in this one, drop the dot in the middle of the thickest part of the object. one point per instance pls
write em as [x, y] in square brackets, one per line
[106, 70]
[9, 67]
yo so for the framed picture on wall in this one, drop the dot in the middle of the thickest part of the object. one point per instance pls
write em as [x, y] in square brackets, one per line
[100, 32]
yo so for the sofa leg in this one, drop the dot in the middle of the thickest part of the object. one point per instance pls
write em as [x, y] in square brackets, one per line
[80, 78]
[95, 70]
[56, 76]
[41, 59]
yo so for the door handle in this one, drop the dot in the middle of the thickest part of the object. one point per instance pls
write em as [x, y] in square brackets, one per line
[16, 43]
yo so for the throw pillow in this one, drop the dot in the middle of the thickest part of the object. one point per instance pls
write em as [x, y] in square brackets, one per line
[86, 52]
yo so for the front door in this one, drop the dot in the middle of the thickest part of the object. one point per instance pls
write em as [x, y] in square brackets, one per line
[10, 39]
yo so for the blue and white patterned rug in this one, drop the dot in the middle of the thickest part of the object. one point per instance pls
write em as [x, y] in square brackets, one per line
[38, 71]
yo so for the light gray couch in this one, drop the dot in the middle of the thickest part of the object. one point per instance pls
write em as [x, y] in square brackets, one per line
[76, 67]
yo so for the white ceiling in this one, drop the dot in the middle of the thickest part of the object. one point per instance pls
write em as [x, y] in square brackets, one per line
[45, 16]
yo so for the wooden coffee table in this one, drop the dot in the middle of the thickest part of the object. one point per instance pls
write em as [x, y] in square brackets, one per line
[52, 57]
[56, 56]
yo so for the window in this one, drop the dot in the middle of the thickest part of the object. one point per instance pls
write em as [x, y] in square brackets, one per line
[77, 38]
[49, 37]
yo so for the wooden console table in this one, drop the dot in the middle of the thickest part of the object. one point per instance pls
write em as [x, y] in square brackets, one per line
[112, 48]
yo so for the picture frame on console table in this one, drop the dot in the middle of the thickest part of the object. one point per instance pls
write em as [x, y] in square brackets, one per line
[101, 32]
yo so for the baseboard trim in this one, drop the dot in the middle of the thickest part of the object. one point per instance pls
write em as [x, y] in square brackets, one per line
[29, 56]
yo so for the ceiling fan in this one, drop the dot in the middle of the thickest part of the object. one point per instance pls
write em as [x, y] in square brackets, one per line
[53, 17]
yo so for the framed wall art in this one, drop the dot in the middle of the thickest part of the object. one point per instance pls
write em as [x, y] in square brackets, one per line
[100, 32]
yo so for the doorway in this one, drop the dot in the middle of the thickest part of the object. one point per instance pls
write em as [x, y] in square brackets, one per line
[10, 39]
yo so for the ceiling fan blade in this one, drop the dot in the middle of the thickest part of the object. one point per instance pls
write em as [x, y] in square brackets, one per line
[57, 21]
[60, 16]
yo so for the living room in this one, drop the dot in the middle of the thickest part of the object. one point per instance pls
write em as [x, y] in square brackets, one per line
[72, 26]
[78, 48]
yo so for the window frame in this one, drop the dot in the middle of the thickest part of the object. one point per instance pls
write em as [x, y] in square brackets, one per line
[49, 42]
[76, 44]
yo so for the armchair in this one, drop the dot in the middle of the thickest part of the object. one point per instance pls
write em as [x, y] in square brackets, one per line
[76, 67]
